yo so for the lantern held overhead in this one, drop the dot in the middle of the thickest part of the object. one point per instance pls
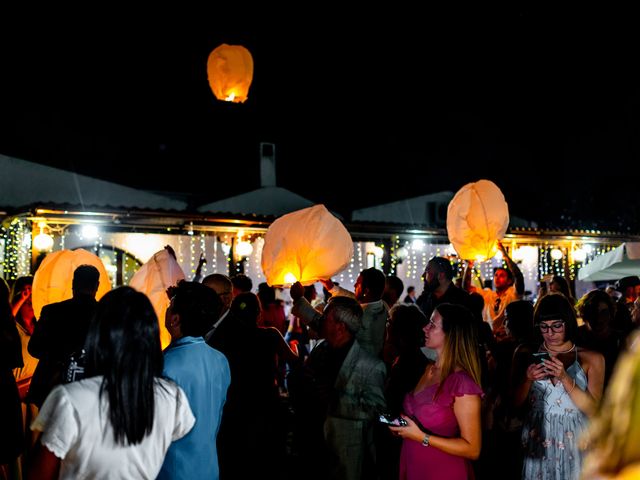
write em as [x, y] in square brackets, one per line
[477, 217]
[153, 278]
[306, 246]
[230, 72]
[52, 281]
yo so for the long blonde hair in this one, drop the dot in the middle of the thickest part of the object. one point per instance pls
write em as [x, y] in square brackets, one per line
[461, 347]
[614, 433]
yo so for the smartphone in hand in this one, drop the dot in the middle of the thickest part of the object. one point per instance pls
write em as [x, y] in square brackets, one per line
[539, 357]
[394, 422]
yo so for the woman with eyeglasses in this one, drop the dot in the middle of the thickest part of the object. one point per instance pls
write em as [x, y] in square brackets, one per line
[563, 385]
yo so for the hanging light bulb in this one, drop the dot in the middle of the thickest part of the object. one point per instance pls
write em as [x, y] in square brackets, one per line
[244, 249]
[43, 241]
[556, 254]
[580, 255]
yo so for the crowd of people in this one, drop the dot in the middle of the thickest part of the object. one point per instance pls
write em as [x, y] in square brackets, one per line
[459, 382]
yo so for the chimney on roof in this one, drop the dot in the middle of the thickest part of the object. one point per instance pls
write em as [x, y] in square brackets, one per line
[267, 164]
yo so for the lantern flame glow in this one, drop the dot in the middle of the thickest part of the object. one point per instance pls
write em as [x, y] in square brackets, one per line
[290, 278]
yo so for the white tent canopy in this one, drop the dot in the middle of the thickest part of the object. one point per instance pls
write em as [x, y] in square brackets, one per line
[622, 261]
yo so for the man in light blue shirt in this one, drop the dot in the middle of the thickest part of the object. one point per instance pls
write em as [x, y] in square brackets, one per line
[202, 372]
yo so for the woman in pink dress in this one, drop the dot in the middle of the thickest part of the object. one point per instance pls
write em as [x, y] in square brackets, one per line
[443, 431]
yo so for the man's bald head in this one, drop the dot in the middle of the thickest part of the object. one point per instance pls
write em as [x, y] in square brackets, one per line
[221, 284]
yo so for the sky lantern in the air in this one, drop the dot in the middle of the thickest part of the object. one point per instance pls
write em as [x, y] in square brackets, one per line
[305, 246]
[230, 72]
[477, 217]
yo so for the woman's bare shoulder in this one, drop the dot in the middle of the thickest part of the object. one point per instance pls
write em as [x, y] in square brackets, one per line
[590, 357]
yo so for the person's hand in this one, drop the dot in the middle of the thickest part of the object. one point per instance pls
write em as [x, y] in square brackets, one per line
[296, 291]
[555, 368]
[411, 431]
[24, 294]
[328, 284]
[536, 372]
[170, 249]
[501, 247]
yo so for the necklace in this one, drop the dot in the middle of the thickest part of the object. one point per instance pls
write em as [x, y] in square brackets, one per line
[544, 345]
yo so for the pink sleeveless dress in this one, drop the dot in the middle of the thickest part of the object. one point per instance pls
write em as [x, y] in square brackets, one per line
[423, 463]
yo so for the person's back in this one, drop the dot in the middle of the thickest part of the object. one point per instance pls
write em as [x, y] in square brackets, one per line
[61, 331]
[202, 372]
[76, 428]
[120, 420]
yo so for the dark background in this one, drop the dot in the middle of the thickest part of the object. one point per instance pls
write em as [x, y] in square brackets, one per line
[364, 105]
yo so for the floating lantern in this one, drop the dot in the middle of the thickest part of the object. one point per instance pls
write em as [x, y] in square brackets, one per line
[477, 217]
[53, 280]
[230, 72]
[153, 278]
[306, 246]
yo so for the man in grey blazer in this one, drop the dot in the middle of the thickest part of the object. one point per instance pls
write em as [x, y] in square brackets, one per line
[346, 384]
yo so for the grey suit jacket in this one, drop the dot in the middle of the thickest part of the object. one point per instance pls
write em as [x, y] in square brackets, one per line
[357, 398]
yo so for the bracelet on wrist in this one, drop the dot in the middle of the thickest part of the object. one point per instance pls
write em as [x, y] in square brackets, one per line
[425, 440]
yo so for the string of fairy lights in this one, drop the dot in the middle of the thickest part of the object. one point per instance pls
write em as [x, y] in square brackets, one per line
[406, 257]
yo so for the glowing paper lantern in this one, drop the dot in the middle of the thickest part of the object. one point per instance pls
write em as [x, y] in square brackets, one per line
[477, 217]
[52, 281]
[230, 72]
[306, 246]
[153, 278]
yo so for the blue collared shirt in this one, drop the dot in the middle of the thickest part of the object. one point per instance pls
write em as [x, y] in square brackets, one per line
[203, 373]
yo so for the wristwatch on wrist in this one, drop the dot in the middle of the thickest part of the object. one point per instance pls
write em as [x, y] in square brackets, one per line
[425, 440]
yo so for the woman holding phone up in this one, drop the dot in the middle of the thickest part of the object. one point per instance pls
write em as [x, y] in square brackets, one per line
[562, 389]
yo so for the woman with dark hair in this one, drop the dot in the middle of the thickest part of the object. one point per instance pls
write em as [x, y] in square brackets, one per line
[11, 432]
[22, 310]
[120, 421]
[563, 384]
[443, 431]
[560, 285]
[256, 406]
[406, 363]
[598, 312]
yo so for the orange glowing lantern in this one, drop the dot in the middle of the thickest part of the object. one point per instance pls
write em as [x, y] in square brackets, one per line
[306, 246]
[230, 72]
[477, 217]
[52, 281]
[153, 278]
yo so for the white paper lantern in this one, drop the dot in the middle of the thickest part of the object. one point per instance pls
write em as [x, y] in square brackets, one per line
[477, 217]
[53, 280]
[307, 245]
[153, 278]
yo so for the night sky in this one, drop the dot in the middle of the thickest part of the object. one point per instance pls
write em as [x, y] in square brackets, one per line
[364, 107]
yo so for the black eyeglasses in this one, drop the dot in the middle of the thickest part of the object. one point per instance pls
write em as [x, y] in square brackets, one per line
[555, 327]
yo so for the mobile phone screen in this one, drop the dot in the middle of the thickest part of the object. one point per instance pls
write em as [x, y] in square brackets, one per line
[396, 422]
[539, 357]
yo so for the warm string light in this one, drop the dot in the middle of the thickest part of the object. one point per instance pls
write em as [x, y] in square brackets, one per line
[203, 252]
[180, 255]
[192, 254]
[214, 262]
[259, 243]
[16, 261]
